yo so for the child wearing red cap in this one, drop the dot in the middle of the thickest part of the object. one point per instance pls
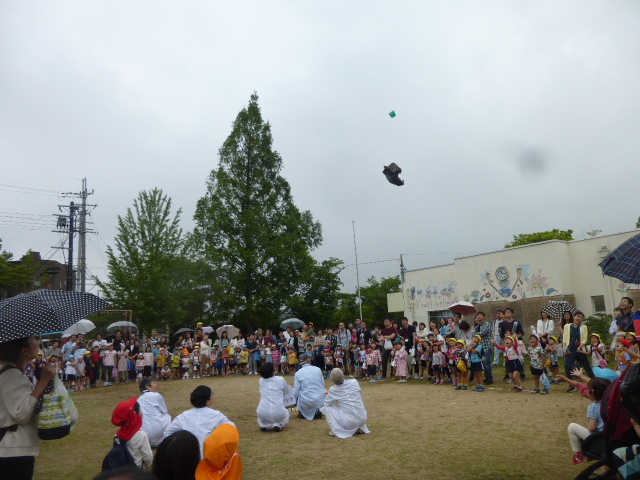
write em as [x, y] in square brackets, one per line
[623, 359]
[127, 416]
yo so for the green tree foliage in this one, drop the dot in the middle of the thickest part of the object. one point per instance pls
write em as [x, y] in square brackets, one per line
[318, 295]
[147, 267]
[248, 230]
[528, 238]
[20, 275]
[374, 298]
[638, 223]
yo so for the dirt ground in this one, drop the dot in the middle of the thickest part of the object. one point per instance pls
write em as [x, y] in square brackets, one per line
[419, 430]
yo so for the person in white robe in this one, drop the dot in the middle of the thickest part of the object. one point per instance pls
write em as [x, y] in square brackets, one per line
[200, 420]
[271, 410]
[309, 389]
[155, 416]
[344, 408]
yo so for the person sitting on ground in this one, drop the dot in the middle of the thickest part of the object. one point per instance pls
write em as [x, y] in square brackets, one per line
[201, 420]
[177, 457]
[596, 389]
[155, 416]
[344, 408]
[221, 457]
[127, 416]
[271, 410]
[309, 389]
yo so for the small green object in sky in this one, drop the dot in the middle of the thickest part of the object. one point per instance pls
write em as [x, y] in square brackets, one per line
[392, 113]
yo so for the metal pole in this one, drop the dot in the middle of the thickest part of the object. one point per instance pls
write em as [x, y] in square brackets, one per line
[355, 248]
[82, 231]
[70, 262]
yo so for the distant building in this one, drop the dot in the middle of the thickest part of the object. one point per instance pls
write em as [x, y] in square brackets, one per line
[49, 274]
[524, 278]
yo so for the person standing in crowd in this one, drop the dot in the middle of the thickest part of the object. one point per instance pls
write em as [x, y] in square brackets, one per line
[342, 335]
[544, 328]
[388, 335]
[510, 324]
[155, 415]
[309, 389]
[20, 404]
[625, 320]
[271, 410]
[102, 347]
[497, 337]
[252, 345]
[574, 335]
[201, 420]
[484, 330]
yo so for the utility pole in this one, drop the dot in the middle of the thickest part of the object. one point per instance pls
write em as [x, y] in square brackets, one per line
[67, 224]
[82, 240]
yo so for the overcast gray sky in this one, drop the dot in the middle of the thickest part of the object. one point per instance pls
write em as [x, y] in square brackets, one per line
[511, 116]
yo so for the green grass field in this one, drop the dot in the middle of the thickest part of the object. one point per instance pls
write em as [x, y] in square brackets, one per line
[419, 430]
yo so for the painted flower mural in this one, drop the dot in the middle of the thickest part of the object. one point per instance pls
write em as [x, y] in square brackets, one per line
[537, 284]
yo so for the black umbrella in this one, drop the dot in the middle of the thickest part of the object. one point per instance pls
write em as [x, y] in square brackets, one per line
[45, 311]
[556, 308]
[183, 330]
[624, 262]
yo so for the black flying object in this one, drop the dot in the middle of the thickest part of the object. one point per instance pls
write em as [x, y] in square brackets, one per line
[392, 172]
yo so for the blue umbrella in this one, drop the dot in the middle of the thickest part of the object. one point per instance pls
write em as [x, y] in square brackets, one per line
[605, 373]
[624, 262]
[43, 311]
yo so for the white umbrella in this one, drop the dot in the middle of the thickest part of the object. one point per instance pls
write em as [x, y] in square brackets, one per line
[83, 326]
[230, 329]
[122, 324]
[463, 308]
[208, 330]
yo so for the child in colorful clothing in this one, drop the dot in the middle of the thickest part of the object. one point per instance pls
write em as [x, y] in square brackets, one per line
[244, 359]
[339, 357]
[165, 373]
[276, 359]
[161, 362]
[186, 364]
[149, 360]
[633, 349]
[438, 363]
[400, 355]
[463, 365]
[477, 367]
[452, 361]
[328, 359]
[552, 358]
[536, 362]
[514, 365]
[269, 352]
[373, 358]
[226, 358]
[175, 363]
[81, 372]
[139, 367]
[293, 360]
[623, 358]
[71, 372]
[196, 362]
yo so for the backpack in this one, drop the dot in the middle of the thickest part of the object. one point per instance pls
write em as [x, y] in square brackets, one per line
[630, 392]
[118, 456]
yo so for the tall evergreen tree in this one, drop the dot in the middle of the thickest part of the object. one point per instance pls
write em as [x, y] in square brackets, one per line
[146, 268]
[248, 229]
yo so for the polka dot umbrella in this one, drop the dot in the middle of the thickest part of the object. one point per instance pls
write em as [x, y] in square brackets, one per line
[45, 311]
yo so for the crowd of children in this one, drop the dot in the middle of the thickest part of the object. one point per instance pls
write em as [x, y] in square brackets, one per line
[435, 358]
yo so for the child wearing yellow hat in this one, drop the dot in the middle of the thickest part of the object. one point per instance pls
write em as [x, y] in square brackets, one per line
[596, 349]
[512, 354]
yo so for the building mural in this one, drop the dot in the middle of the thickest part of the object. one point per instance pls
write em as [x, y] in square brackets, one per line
[501, 284]
[437, 296]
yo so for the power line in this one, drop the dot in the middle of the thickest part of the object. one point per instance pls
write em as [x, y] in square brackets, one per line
[39, 171]
[31, 188]
[369, 263]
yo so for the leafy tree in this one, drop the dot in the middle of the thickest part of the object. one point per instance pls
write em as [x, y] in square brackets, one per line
[638, 223]
[248, 230]
[374, 298]
[146, 268]
[318, 295]
[20, 275]
[528, 238]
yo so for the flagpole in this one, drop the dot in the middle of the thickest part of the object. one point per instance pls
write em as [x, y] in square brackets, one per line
[355, 248]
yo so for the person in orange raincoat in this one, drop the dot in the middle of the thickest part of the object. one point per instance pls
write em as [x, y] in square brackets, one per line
[221, 456]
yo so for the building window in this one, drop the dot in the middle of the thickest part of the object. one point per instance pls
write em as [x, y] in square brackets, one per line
[436, 316]
[598, 304]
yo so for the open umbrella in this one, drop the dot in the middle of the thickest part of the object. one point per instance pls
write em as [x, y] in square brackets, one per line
[83, 326]
[556, 308]
[45, 311]
[208, 330]
[230, 329]
[291, 322]
[122, 324]
[624, 262]
[183, 330]
[463, 308]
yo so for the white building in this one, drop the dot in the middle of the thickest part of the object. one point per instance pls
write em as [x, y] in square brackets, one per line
[524, 278]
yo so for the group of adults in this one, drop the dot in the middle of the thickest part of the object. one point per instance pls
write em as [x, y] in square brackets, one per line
[342, 405]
